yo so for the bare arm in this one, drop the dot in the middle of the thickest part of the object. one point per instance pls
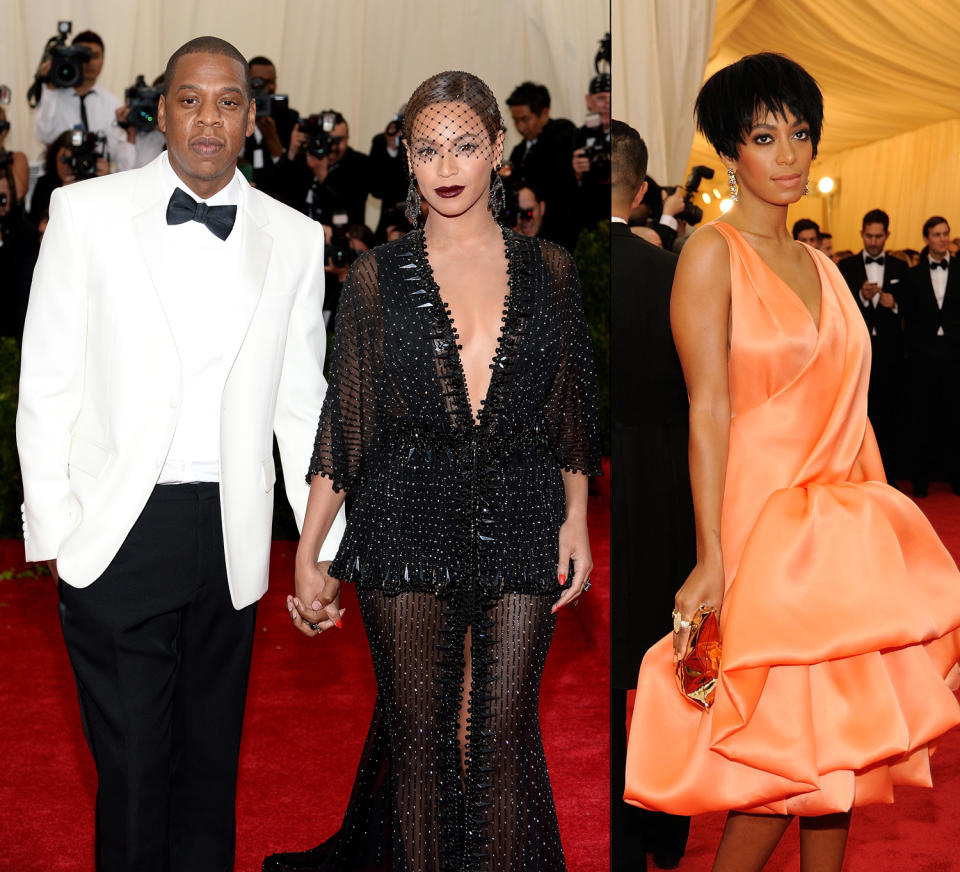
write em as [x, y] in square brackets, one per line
[699, 316]
[574, 539]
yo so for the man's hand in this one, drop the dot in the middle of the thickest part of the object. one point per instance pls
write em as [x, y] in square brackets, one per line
[869, 290]
[123, 113]
[52, 566]
[887, 300]
[316, 605]
[581, 164]
[319, 166]
[673, 203]
[297, 141]
[271, 138]
[43, 71]
[103, 168]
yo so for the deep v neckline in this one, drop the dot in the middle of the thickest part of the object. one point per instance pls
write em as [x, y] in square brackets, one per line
[817, 324]
[465, 410]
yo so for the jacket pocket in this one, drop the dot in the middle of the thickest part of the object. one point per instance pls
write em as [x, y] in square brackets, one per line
[87, 456]
[268, 473]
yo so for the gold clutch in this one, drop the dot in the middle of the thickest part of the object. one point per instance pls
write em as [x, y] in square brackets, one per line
[699, 669]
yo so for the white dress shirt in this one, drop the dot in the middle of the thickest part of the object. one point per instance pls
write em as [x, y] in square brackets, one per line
[59, 110]
[200, 272]
[874, 275]
[938, 278]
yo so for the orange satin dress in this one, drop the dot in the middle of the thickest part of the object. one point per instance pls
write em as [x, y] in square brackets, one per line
[840, 618]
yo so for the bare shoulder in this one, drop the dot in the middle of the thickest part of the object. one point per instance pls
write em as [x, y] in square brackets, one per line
[704, 266]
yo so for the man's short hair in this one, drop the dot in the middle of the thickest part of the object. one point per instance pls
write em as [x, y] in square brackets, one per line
[88, 36]
[523, 182]
[537, 97]
[206, 45]
[628, 159]
[733, 98]
[805, 224]
[826, 236]
[261, 61]
[876, 216]
[932, 222]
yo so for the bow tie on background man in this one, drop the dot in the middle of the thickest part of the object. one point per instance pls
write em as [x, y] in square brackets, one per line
[934, 264]
[217, 219]
[876, 260]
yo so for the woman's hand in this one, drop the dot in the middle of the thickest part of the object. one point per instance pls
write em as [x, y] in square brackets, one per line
[703, 587]
[573, 542]
[316, 605]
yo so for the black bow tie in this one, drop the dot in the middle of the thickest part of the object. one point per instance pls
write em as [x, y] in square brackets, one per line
[876, 260]
[934, 264]
[217, 219]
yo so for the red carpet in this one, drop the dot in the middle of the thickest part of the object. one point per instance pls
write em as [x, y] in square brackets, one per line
[308, 711]
[913, 835]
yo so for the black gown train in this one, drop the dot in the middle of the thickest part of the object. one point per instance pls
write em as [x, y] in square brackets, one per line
[452, 541]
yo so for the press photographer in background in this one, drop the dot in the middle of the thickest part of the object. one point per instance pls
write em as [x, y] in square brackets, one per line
[275, 122]
[71, 157]
[13, 163]
[388, 169]
[530, 210]
[19, 246]
[66, 94]
[138, 118]
[320, 173]
[591, 152]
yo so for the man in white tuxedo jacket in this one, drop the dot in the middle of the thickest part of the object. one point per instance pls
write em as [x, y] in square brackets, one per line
[166, 340]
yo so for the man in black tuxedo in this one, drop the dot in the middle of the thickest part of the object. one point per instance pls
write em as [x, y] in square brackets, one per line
[931, 318]
[543, 158]
[876, 280]
[653, 545]
[264, 148]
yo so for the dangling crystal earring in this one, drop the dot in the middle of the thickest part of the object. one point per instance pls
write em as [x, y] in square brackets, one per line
[732, 180]
[413, 203]
[806, 190]
[497, 195]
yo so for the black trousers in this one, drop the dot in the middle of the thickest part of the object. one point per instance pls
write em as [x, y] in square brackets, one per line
[161, 660]
[935, 413]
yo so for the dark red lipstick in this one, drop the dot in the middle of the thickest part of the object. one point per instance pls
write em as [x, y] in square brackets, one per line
[449, 191]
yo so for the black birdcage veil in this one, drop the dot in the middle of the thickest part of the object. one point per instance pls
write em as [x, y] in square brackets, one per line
[453, 117]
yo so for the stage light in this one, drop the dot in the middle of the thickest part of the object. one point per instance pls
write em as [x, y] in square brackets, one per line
[716, 193]
[726, 205]
[825, 185]
[706, 197]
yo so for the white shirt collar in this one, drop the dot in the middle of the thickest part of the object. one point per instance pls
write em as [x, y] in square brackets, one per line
[616, 219]
[229, 195]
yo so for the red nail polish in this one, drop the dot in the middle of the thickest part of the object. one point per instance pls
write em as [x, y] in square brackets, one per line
[563, 579]
[339, 625]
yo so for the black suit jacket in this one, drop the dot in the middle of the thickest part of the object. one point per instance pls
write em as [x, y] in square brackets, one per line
[653, 544]
[886, 322]
[264, 176]
[922, 317]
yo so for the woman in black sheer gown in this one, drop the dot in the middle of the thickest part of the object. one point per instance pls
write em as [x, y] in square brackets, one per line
[467, 526]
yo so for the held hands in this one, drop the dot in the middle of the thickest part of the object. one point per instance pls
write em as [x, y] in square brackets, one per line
[573, 543]
[316, 605]
[703, 587]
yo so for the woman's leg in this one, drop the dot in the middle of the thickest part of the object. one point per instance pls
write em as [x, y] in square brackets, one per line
[748, 841]
[823, 841]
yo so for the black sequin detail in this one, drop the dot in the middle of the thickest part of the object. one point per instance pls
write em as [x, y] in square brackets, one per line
[453, 527]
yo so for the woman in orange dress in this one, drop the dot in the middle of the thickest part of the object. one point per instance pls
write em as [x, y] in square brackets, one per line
[839, 606]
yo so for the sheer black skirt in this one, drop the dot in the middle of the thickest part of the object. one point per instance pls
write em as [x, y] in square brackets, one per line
[453, 776]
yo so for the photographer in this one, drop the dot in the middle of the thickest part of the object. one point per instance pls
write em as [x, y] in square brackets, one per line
[591, 155]
[19, 167]
[320, 173]
[388, 168]
[543, 158]
[87, 106]
[19, 246]
[275, 123]
[141, 131]
[60, 165]
[531, 210]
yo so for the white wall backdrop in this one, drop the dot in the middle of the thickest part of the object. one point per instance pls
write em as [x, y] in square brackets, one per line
[362, 57]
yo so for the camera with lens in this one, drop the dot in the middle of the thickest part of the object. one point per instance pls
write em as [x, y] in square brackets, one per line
[596, 147]
[143, 102]
[692, 214]
[317, 129]
[66, 61]
[341, 254]
[85, 150]
[267, 103]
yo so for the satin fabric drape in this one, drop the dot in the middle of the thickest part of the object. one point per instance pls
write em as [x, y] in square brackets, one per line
[839, 622]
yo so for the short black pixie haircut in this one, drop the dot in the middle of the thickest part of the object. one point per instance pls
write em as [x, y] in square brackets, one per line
[733, 98]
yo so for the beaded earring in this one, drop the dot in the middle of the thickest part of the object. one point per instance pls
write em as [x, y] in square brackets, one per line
[497, 195]
[413, 212]
[732, 180]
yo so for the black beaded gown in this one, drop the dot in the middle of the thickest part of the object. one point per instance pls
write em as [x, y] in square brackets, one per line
[453, 524]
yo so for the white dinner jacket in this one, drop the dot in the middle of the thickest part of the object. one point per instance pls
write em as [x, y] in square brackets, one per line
[101, 380]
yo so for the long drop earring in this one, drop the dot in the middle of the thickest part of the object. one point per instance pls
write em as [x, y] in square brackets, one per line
[806, 190]
[497, 195]
[413, 203]
[732, 180]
